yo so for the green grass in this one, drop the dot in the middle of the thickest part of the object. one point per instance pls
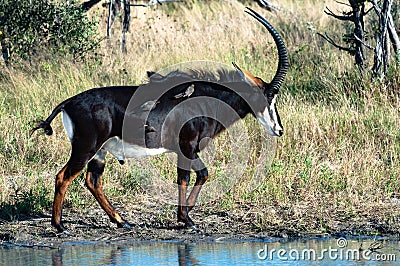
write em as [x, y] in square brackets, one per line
[341, 146]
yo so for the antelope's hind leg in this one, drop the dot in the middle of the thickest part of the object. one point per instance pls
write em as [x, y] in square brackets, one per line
[83, 149]
[80, 155]
[94, 184]
[63, 180]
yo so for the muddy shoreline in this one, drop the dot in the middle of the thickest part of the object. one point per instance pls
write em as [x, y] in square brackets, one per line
[152, 221]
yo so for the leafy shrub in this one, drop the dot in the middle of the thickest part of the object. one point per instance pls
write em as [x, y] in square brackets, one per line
[30, 27]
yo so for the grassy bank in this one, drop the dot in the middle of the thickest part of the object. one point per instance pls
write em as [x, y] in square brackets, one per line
[337, 166]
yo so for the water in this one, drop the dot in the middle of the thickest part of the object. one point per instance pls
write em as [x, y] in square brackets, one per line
[298, 252]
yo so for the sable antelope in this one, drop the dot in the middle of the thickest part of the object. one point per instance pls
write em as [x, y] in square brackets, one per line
[170, 113]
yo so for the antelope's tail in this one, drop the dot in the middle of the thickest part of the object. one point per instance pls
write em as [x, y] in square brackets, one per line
[45, 124]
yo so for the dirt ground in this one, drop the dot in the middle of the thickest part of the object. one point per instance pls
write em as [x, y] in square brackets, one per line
[157, 221]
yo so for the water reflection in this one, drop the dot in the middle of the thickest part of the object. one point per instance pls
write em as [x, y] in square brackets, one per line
[56, 258]
[112, 254]
[173, 253]
[185, 255]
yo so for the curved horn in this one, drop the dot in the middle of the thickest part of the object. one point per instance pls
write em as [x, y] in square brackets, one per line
[283, 63]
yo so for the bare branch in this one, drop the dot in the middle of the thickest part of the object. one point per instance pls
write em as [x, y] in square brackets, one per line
[268, 5]
[154, 2]
[375, 6]
[366, 13]
[363, 43]
[332, 42]
[89, 4]
[330, 13]
[143, 5]
[342, 3]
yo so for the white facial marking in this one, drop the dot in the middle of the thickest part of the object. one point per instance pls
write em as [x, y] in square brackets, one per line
[265, 121]
[275, 115]
[270, 123]
[68, 125]
[121, 149]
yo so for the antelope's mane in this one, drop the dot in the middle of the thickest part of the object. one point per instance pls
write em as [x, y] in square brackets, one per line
[221, 75]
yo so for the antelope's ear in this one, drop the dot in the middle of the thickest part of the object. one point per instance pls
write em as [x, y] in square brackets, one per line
[248, 77]
[150, 73]
[154, 75]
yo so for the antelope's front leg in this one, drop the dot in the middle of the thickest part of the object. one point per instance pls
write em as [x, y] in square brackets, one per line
[183, 182]
[186, 205]
[201, 178]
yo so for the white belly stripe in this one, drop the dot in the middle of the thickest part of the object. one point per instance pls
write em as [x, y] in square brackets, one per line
[116, 146]
[121, 149]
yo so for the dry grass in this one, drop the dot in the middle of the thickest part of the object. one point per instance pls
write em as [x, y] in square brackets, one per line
[339, 154]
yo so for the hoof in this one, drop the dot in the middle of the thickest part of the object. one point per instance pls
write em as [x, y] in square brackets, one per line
[180, 219]
[125, 225]
[199, 231]
[60, 228]
[195, 228]
[187, 221]
[67, 233]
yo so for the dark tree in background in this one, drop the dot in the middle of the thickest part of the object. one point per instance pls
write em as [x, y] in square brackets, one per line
[31, 28]
[356, 16]
[122, 9]
[384, 33]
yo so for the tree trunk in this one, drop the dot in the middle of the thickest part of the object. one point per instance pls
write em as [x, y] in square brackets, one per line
[358, 8]
[394, 38]
[125, 23]
[382, 48]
